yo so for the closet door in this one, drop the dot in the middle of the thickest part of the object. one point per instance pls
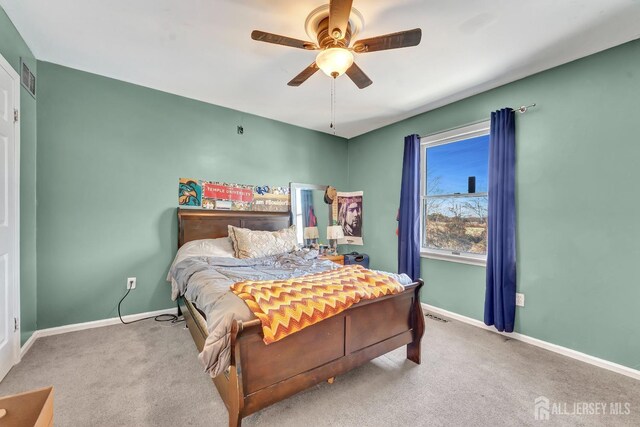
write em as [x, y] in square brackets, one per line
[9, 208]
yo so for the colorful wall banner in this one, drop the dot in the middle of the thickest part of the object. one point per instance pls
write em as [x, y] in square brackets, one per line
[271, 199]
[226, 196]
[217, 191]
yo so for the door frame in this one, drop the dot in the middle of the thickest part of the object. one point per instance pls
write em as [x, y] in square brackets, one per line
[15, 292]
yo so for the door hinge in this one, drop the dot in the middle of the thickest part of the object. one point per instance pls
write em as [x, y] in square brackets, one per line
[16, 116]
[15, 324]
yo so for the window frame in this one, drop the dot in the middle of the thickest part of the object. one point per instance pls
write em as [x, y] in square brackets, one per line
[433, 140]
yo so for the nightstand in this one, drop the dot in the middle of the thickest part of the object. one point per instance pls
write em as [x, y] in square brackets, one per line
[338, 259]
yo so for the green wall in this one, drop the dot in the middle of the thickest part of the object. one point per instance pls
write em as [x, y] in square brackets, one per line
[109, 158]
[12, 48]
[577, 175]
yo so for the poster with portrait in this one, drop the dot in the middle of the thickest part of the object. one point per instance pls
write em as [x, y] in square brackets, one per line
[350, 217]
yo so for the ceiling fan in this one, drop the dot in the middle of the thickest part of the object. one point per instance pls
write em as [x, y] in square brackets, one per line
[333, 26]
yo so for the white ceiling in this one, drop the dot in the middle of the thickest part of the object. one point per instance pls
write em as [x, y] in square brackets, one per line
[203, 50]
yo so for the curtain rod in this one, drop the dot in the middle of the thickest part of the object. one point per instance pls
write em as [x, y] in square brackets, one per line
[521, 110]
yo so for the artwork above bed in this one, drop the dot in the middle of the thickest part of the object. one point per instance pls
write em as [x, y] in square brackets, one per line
[199, 193]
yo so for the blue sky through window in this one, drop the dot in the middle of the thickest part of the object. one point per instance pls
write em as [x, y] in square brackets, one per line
[450, 165]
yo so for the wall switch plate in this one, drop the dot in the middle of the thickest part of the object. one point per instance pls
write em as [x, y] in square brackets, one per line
[131, 283]
[520, 300]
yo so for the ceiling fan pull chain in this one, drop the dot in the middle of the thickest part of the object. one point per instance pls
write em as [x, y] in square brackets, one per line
[333, 105]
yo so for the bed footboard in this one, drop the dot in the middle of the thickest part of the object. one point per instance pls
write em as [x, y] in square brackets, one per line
[261, 375]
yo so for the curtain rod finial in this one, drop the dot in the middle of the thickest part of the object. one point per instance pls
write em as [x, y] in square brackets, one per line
[523, 108]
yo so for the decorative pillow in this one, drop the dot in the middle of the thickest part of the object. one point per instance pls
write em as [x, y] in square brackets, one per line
[256, 244]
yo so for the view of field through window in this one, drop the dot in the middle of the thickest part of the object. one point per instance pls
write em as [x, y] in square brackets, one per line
[455, 219]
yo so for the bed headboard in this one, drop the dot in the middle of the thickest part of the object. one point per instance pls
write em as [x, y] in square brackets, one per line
[194, 224]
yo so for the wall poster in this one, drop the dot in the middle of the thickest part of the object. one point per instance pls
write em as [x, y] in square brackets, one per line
[221, 195]
[271, 199]
[237, 197]
[350, 217]
[189, 192]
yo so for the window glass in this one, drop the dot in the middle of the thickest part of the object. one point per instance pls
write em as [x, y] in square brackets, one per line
[456, 224]
[449, 166]
[455, 200]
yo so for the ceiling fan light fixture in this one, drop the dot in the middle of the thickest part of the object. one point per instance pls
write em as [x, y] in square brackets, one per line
[334, 61]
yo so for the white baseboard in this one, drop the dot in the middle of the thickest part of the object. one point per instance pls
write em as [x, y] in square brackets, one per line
[583, 357]
[88, 325]
[27, 345]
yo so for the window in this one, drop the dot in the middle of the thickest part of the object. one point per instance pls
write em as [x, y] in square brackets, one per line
[454, 179]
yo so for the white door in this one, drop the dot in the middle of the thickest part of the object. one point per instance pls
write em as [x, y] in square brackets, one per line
[9, 205]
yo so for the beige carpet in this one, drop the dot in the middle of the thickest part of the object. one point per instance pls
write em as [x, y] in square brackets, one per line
[147, 374]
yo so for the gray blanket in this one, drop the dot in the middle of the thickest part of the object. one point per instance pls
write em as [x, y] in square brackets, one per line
[205, 281]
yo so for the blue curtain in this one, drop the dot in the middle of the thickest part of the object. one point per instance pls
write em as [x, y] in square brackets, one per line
[409, 214]
[500, 297]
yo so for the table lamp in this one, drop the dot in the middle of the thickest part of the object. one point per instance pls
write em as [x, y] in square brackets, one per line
[311, 233]
[334, 232]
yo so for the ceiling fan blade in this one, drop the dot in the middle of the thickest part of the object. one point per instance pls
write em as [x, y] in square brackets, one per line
[339, 12]
[261, 36]
[304, 75]
[389, 41]
[358, 76]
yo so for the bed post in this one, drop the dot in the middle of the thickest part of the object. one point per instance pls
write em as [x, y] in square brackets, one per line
[236, 394]
[417, 325]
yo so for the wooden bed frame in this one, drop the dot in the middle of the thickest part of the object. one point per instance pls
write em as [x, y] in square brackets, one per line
[260, 374]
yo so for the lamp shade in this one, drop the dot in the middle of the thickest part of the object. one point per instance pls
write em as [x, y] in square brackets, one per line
[334, 61]
[334, 232]
[311, 233]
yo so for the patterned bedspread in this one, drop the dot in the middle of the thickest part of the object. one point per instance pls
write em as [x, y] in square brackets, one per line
[290, 305]
[206, 281]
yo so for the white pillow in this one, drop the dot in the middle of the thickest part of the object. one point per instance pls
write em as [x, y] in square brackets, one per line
[205, 247]
[257, 244]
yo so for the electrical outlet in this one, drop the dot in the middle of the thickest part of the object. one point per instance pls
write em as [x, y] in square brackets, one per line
[520, 300]
[131, 283]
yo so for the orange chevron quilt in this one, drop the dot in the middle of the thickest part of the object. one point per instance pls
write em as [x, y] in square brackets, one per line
[288, 306]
